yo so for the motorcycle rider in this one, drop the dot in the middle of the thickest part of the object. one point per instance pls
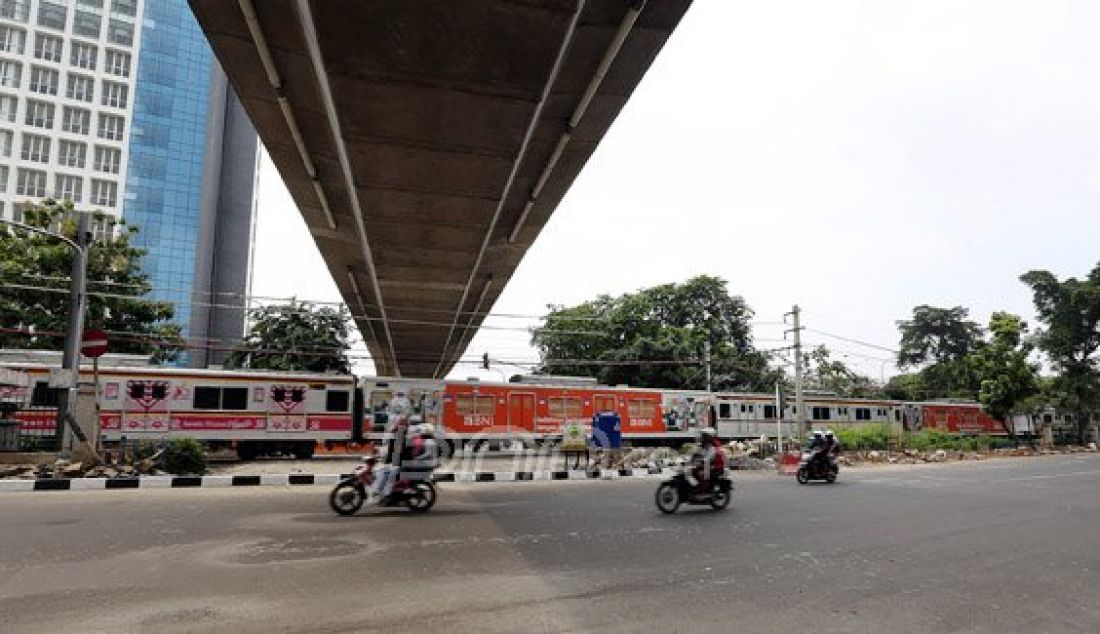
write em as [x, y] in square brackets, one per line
[832, 447]
[707, 458]
[386, 475]
[816, 449]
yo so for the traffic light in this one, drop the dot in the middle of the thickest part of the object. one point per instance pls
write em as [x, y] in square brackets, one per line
[485, 360]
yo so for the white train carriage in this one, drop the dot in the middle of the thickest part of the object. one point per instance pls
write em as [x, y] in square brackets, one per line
[257, 411]
[747, 416]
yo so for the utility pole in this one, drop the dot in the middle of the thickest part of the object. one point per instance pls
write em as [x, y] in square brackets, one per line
[706, 360]
[70, 361]
[799, 402]
[78, 299]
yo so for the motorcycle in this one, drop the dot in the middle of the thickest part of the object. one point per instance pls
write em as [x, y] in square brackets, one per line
[352, 492]
[679, 490]
[809, 470]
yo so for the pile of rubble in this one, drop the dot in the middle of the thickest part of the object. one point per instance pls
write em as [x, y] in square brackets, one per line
[67, 469]
[914, 456]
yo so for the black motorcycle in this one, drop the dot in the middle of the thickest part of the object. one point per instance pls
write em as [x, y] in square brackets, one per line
[820, 470]
[678, 490]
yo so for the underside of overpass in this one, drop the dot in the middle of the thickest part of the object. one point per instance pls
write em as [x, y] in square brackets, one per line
[427, 142]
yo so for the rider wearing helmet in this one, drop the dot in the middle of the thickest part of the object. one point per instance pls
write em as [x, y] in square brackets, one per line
[816, 448]
[832, 446]
[386, 477]
[709, 457]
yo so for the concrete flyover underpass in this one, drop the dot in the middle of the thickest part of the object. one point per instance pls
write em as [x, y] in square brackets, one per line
[426, 143]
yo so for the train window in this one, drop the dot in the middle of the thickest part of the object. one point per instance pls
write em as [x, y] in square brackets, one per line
[564, 407]
[752, 408]
[45, 396]
[473, 404]
[724, 410]
[379, 400]
[337, 400]
[237, 397]
[863, 413]
[897, 415]
[769, 411]
[207, 397]
[742, 408]
[641, 409]
[821, 413]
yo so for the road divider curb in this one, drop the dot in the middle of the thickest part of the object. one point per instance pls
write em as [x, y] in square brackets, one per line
[309, 479]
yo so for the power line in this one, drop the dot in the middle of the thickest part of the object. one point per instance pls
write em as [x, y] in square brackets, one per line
[851, 340]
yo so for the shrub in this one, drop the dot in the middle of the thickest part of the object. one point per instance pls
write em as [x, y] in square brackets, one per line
[184, 456]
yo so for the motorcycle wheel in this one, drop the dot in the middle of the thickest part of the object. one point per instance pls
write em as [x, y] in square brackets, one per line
[668, 498]
[719, 500]
[347, 498]
[830, 477]
[803, 475]
[422, 499]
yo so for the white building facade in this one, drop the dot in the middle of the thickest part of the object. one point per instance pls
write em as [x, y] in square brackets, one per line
[67, 87]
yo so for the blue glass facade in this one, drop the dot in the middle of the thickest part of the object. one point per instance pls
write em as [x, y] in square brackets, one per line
[168, 148]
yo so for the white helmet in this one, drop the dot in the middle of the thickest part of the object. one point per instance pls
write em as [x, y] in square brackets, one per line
[818, 433]
[829, 433]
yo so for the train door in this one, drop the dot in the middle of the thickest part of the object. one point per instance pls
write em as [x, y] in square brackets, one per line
[604, 403]
[521, 412]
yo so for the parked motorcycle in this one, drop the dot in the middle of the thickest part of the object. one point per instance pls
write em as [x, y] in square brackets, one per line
[352, 492]
[822, 470]
[679, 490]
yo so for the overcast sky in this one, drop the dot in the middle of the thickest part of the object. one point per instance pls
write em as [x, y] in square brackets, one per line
[858, 158]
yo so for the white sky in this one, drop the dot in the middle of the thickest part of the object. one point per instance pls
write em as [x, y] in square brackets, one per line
[856, 157]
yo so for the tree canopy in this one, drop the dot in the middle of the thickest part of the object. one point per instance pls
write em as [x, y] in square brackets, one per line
[657, 337]
[295, 336]
[1008, 378]
[832, 375]
[35, 271]
[938, 341]
[1070, 313]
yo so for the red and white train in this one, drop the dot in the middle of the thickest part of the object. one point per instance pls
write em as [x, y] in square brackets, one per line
[263, 412]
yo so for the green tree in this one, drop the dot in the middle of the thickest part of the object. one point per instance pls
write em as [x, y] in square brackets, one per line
[905, 387]
[657, 337]
[832, 375]
[35, 270]
[1007, 377]
[1070, 312]
[939, 340]
[295, 336]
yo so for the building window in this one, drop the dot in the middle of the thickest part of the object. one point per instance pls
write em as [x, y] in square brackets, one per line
[76, 120]
[8, 106]
[31, 183]
[86, 24]
[118, 63]
[12, 40]
[119, 32]
[71, 153]
[80, 87]
[107, 159]
[52, 15]
[111, 127]
[104, 193]
[35, 148]
[124, 7]
[3, 179]
[6, 137]
[48, 47]
[18, 10]
[67, 186]
[10, 73]
[39, 114]
[83, 55]
[114, 94]
[44, 80]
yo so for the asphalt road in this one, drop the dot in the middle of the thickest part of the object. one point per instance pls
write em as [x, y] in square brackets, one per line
[1006, 546]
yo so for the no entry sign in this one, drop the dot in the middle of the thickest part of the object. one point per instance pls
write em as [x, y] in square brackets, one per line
[94, 344]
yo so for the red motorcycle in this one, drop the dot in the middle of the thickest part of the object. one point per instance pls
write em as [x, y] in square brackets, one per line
[352, 492]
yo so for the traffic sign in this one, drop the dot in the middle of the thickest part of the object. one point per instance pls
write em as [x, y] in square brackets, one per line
[94, 343]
